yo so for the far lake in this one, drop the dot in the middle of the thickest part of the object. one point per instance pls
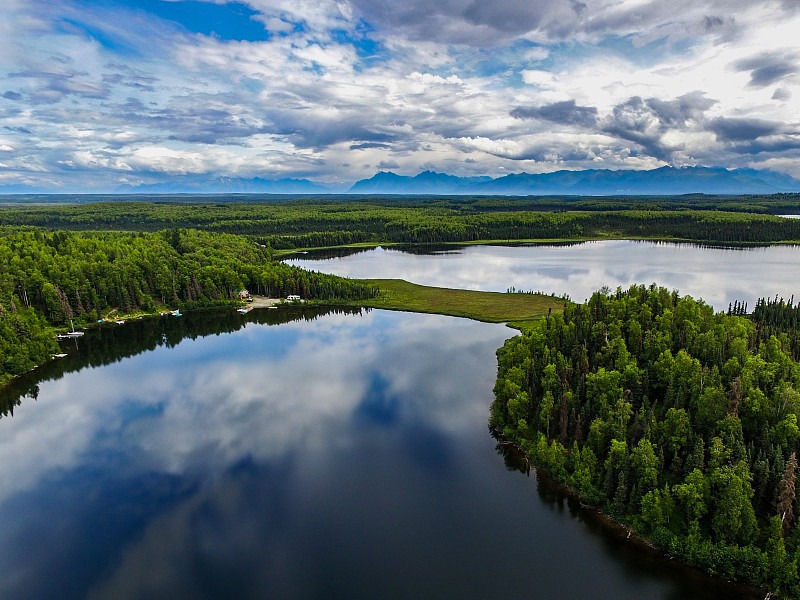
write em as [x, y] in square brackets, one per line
[717, 275]
[300, 453]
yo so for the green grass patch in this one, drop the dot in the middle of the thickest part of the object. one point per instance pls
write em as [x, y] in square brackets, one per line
[492, 307]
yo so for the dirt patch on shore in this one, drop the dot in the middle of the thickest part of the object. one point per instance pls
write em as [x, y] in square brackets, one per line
[263, 302]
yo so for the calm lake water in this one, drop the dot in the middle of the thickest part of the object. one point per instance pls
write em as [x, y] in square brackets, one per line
[717, 275]
[303, 454]
[291, 454]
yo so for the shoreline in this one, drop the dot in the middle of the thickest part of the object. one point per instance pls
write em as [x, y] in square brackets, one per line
[604, 524]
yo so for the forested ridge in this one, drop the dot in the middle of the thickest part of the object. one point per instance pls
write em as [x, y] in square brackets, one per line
[317, 223]
[63, 278]
[678, 421]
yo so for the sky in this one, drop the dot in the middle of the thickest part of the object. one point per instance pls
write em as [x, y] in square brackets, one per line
[96, 94]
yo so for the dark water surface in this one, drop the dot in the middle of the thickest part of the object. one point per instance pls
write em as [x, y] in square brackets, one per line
[339, 455]
[717, 275]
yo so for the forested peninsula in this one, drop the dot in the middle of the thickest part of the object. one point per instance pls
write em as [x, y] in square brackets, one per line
[63, 279]
[679, 422]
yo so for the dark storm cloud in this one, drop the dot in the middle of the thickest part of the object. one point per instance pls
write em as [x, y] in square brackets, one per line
[768, 67]
[742, 129]
[565, 113]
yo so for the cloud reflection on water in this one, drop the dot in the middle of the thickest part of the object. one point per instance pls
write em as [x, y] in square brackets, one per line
[717, 275]
[278, 404]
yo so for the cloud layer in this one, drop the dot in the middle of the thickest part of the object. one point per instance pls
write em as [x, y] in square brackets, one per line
[97, 95]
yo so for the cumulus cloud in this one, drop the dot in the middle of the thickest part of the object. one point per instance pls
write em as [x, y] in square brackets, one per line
[647, 122]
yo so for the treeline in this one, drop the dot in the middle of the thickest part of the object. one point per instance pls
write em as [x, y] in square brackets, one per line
[680, 422]
[62, 278]
[779, 203]
[777, 316]
[303, 224]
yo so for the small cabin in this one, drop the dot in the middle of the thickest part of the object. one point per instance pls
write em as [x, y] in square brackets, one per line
[291, 297]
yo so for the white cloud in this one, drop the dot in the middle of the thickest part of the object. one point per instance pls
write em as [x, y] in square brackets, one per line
[542, 79]
[394, 89]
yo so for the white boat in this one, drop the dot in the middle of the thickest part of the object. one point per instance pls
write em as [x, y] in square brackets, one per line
[70, 334]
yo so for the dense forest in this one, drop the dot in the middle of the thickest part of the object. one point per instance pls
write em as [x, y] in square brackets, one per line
[67, 278]
[317, 223]
[679, 422]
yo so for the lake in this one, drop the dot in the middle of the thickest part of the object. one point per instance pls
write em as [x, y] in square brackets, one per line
[717, 275]
[293, 453]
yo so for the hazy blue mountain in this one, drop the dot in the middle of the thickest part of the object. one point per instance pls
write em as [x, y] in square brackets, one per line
[591, 182]
[669, 180]
[521, 184]
[22, 189]
[228, 185]
[386, 182]
[777, 180]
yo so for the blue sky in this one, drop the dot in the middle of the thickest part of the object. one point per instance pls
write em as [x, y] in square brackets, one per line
[95, 94]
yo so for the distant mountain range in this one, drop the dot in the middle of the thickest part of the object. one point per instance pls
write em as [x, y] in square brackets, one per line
[591, 182]
[233, 185]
